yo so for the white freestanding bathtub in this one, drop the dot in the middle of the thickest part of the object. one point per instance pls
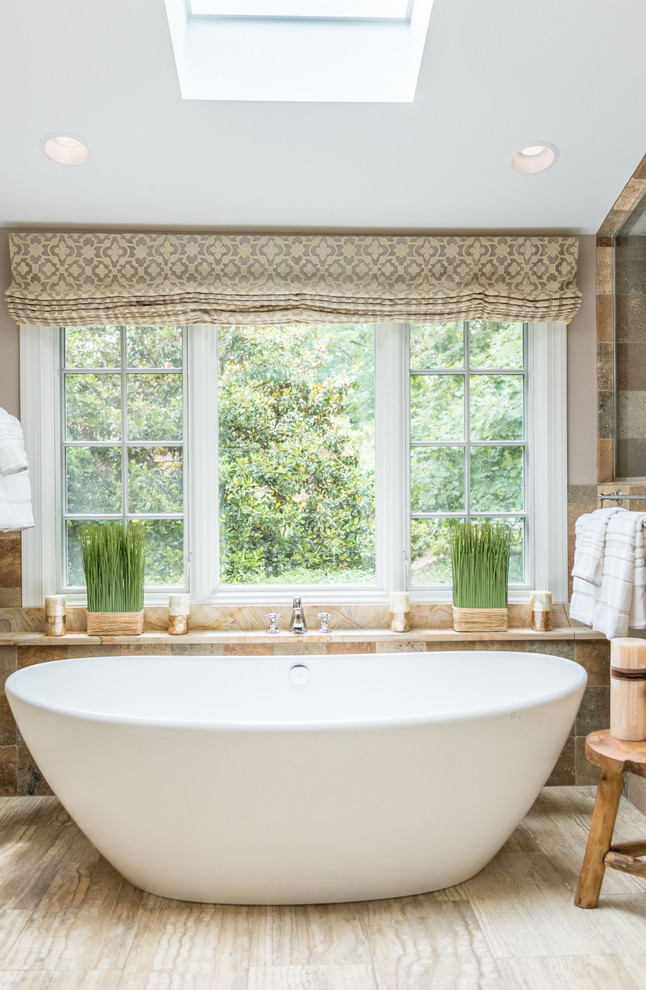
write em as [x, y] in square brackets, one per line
[280, 780]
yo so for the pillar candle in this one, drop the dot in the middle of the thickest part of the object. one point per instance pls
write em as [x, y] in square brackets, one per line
[541, 609]
[179, 608]
[55, 615]
[628, 688]
[399, 611]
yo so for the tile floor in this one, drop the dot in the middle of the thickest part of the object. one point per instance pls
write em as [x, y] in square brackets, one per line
[68, 921]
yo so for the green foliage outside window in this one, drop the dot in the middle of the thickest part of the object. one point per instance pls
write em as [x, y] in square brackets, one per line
[460, 400]
[296, 445]
[296, 454]
[98, 361]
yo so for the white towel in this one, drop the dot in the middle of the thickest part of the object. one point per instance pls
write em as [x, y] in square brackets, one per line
[620, 598]
[12, 446]
[585, 596]
[590, 530]
[15, 490]
[638, 604]
[15, 502]
[587, 571]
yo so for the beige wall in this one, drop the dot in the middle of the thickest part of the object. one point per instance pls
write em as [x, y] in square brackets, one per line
[582, 397]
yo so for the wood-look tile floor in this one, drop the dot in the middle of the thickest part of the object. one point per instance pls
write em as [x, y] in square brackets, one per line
[68, 921]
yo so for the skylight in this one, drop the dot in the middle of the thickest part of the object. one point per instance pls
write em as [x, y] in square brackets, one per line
[299, 51]
[392, 10]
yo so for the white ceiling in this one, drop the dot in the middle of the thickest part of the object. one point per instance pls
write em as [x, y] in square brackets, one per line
[496, 75]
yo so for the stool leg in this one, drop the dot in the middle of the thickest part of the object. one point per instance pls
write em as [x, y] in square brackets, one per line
[601, 828]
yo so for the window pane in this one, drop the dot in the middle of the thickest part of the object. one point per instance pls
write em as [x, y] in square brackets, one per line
[517, 556]
[93, 479]
[496, 407]
[497, 479]
[154, 347]
[430, 551]
[165, 552]
[154, 407]
[155, 479]
[75, 574]
[436, 407]
[496, 345]
[93, 407]
[296, 428]
[437, 345]
[92, 347]
[437, 479]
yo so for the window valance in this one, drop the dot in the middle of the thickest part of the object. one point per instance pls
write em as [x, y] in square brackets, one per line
[83, 279]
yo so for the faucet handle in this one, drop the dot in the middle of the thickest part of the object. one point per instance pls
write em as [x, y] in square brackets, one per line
[325, 619]
[273, 618]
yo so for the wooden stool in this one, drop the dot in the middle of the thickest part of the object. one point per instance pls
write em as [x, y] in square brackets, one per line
[614, 757]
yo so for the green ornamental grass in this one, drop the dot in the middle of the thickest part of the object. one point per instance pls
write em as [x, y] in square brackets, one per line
[480, 564]
[114, 559]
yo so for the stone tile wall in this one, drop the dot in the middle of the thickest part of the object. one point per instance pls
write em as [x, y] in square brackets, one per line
[625, 302]
[19, 773]
[630, 344]
[580, 499]
[10, 570]
[605, 360]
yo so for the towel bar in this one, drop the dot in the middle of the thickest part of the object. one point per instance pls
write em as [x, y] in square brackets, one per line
[618, 496]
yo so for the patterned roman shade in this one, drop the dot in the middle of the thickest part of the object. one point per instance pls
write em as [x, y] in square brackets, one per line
[83, 279]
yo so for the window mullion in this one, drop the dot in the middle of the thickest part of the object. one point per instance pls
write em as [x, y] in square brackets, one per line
[391, 416]
[203, 466]
[467, 419]
[62, 557]
[124, 427]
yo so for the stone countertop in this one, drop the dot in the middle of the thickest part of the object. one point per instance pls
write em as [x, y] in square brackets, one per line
[244, 626]
[204, 637]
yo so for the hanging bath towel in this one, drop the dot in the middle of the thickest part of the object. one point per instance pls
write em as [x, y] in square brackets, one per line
[15, 502]
[616, 602]
[15, 489]
[13, 457]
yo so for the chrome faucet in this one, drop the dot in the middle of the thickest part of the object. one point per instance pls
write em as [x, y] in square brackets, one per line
[297, 623]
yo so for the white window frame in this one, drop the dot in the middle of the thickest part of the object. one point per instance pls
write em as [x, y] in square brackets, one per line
[123, 445]
[546, 482]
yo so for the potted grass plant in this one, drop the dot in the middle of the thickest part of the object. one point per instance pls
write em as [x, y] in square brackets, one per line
[114, 558]
[480, 567]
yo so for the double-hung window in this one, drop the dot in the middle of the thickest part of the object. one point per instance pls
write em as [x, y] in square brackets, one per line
[122, 442]
[329, 459]
[468, 440]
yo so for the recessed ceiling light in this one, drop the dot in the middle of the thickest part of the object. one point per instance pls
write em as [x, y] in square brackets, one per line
[64, 149]
[534, 158]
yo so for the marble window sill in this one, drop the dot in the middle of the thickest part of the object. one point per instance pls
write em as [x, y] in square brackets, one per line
[243, 626]
[204, 637]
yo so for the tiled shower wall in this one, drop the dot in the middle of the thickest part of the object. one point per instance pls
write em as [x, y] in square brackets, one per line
[630, 343]
[627, 296]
